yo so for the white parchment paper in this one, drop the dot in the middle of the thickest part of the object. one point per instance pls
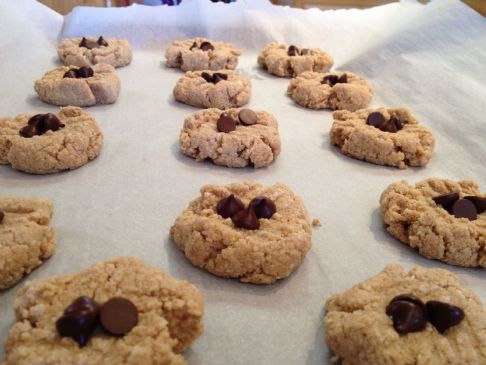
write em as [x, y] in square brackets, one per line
[430, 58]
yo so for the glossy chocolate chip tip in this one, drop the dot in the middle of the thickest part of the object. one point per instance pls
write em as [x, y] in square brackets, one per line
[263, 207]
[443, 315]
[225, 123]
[90, 44]
[118, 316]
[2, 215]
[206, 46]
[229, 206]
[246, 219]
[408, 313]
[80, 73]
[40, 124]
[392, 125]
[215, 77]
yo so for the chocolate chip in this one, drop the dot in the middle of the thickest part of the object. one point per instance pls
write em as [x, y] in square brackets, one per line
[88, 44]
[479, 203]
[464, 208]
[246, 219]
[206, 46]
[79, 320]
[85, 72]
[375, 119]
[51, 122]
[194, 45]
[247, 117]
[35, 119]
[443, 315]
[408, 314]
[225, 123]
[390, 126]
[2, 214]
[70, 74]
[229, 206]
[207, 77]
[218, 76]
[343, 79]
[446, 201]
[118, 316]
[39, 124]
[102, 42]
[331, 80]
[29, 131]
[263, 207]
[293, 51]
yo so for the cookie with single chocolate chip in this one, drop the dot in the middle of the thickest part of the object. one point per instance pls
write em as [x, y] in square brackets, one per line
[90, 51]
[169, 317]
[383, 136]
[48, 143]
[26, 240]
[201, 54]
[330, 90]
[230, 138]
[360, 332]
[84, 86]
[213, 89]
[257, 234]
[427, 217]
[284, 61]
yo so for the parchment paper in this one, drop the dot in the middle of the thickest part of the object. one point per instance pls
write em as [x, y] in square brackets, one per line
[430, 58]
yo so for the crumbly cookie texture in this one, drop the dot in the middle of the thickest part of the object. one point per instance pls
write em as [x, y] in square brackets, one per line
[410, 146]
[359, 331]
[170, 317]
[256, 145]
[259, 256]
[194, 90]
[65, 149]
[102, 88]
[118, 53]
[308, 91]
[414, 218]
[275, 59]
[26, 239]
[180, 55]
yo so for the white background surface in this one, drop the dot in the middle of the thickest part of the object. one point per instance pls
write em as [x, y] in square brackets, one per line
[431, 58]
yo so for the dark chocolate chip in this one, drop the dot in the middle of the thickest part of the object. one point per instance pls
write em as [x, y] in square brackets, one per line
[293, 51]
[101, 41]
[70, 74]
[2, 214]
[88, 44]
[207, 77]
[51, 122]
[79, 320]
[263, 207]
[194, 45]
[343, 79]
[246, 219]
[229, 206]
[479, 203]
[446, 201]
[219, 76]
[29, 131]
[35, 119]
[39, 124]
[225, 123]
[443, 315]
[85, 72]
[375, 119]
[247, 117]
[464, 208]
[206, 46]
[389, 126]
[331, 80]
[408, 314]
[118, 316]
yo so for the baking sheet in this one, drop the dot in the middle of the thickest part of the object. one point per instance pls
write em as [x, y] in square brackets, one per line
[431, 58]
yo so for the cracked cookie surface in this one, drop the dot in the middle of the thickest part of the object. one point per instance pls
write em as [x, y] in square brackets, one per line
[118, 53]
[180, 55]
[259, 256]
[102, 88]
[26, 239]
[415, 219]
[275, 59]
[194, 90]
[169, 311]
[359, 332]
[65, 149]
[410, 146]
[309, 91]
[256, 145]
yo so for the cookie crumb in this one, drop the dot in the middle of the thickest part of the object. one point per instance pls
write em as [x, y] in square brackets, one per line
[316, 222]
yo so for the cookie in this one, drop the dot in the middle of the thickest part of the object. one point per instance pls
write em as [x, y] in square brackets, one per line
[48, 143]
[208, 89]
[284, 61]
[83, 86]
[390, 137]
[228, 139]
[330, 90]
[26, 240]
[427, 217]
[169, 319]
[264, 237]
[201, 54]
[91, 51]
[438, 322]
